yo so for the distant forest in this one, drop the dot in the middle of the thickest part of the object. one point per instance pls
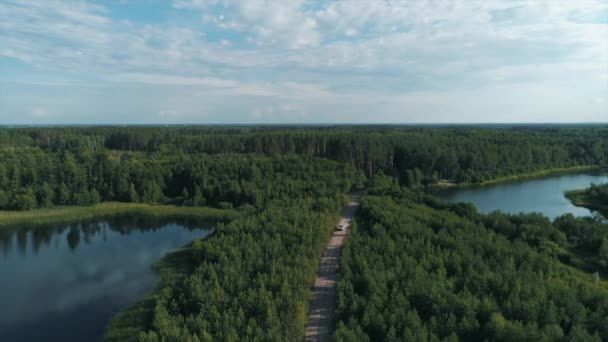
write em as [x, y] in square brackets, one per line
[41, 167]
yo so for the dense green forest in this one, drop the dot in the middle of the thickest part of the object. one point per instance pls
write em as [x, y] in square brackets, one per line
[32, 178]
[598, 193]
[417, 268]
[41, 167]
[594, 197]
[251, 279]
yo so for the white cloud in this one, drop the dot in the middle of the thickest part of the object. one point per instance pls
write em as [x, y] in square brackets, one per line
[169, 114]
[309, 53]
[272, 22]
[416, 36]
[167, 79]
[289, 113]
[40, 112]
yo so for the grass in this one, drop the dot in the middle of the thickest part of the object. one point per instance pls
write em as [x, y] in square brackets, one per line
[106, 209]
[519, 177]
[577, 197]
[580, 199]
[542, 173]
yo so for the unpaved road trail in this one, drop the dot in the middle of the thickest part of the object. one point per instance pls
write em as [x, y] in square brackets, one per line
[322, 306]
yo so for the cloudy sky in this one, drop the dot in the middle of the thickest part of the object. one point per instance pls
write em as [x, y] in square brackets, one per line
[303, 61]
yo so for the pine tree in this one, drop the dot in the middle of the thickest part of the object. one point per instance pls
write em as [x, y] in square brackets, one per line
[64, 194]
[46, 195]
[603, 252]
[133, 195]
[95, 196]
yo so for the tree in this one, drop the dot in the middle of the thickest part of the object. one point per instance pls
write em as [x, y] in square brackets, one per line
[25, 200]
[133, 195]
[94, 196]
[46, 195]
[199, 199]
[152, 192]
[185, 196]
[603, 251]
[122, 185]
[4, 200]
[82, 197]
[64, 194]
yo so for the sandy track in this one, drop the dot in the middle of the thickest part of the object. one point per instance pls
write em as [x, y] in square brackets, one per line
[323, 302]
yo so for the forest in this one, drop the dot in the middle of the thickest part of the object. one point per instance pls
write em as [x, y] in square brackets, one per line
[42, 167]
[414, 267]
[420, 269]
[251, 279]
[594, 197]
[31, 178]
[598, 193]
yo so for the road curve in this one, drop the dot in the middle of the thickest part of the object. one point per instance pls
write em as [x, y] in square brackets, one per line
[322, 306]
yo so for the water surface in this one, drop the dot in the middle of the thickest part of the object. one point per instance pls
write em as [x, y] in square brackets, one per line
[544, 195]
[66, 282]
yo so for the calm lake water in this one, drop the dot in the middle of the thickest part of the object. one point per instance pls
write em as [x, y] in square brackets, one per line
[66, 282]
[544, 195]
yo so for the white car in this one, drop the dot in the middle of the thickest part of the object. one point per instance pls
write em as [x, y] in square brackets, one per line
[341, 227]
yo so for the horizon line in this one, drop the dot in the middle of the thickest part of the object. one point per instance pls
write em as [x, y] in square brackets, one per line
[320, 124]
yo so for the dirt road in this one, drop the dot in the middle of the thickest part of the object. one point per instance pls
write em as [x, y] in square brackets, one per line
[323, 302]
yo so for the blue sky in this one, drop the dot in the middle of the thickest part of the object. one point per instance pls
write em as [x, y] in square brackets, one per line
[303, 61]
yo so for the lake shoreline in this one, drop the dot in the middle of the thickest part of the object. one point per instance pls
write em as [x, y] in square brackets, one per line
[109, 209]
[166, 268]
[138, 316]
[578, 198]
[544, 195]
[113, 260]
[520, 177]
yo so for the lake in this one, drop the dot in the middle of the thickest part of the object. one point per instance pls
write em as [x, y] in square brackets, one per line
[66, 282]
[544, 195]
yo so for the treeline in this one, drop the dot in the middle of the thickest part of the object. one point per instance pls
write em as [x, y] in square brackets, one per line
[419, 269]
[251, 279]
[416, 268]
[595, 197]
[597, 193]
[32, 178]
[413, 155]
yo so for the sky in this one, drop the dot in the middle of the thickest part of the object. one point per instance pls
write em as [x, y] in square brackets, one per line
[303, 61]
